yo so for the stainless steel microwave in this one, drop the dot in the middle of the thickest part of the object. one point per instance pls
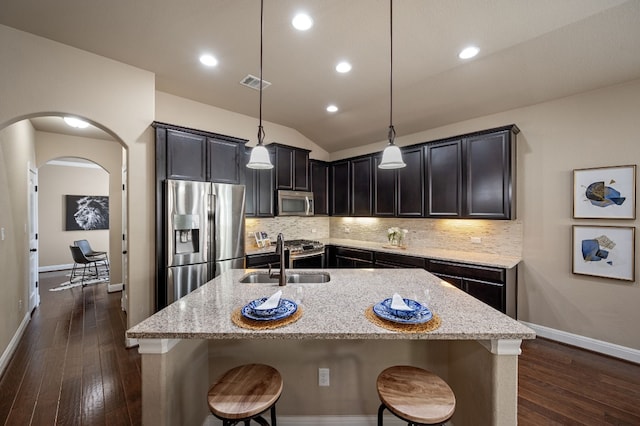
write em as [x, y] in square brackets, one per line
[295, 203]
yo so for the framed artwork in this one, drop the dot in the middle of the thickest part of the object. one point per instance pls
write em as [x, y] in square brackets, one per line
[86, 212]
[605, 193]
[604, 251]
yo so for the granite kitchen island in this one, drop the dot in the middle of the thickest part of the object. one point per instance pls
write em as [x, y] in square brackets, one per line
[187, 345]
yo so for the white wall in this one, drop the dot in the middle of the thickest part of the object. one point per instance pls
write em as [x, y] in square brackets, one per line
[16, 153]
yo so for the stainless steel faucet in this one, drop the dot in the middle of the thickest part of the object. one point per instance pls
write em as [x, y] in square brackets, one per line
[282, 276]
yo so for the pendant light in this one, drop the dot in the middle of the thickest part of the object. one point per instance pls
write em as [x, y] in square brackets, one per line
[391, 156]
[259, 155]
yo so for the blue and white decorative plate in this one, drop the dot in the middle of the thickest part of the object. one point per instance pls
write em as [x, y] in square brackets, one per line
[285, 309]
[383, 310]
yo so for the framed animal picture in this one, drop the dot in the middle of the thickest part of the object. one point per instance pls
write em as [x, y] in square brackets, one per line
[86, 212]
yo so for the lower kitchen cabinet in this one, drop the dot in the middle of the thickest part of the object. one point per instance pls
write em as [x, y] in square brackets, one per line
[263, 260]
[494, 286]
[342, 257]
[392, 260]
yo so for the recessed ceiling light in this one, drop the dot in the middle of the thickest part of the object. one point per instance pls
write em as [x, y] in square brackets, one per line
[76, 122]
[343, 67]
[302, 22]
[208, 60]
[332, 108]
[468, 52]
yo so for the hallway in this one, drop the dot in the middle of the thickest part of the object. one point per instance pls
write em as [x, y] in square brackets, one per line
[71, 366]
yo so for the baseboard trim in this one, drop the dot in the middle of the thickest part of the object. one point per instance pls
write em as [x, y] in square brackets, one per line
[13, 344]
[52, 268]
[362, 420]
[606, 348]
[112, 288]
[130, 343]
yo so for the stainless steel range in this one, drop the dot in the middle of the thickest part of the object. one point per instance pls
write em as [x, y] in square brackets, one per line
[305, 253]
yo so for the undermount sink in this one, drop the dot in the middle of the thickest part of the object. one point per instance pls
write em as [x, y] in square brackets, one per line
[292, 278]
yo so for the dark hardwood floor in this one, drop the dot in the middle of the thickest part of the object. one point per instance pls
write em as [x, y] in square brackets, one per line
[563, 385]
[71, 368]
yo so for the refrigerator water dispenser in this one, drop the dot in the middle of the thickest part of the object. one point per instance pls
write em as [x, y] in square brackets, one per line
[186, 234]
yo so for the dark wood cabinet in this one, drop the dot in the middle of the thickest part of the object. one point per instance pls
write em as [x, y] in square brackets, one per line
[444, 179]
[186, 155]
[410, 192]
[392, 260]
[190, 154]
[340, 188]
[472, 176]
[343, 257]
[225, 161]
[264, 260]
[400, 192]
[319, 177]
[488, 161]
[494, 286]
[259, 193]
[292, 167]
[361, 190]
[384, 190]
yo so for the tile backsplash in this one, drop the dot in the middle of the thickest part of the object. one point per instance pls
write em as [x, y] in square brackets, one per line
[503, 237]
[292, 227]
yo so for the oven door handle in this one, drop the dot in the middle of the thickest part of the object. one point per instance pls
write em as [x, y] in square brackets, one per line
[303, 255]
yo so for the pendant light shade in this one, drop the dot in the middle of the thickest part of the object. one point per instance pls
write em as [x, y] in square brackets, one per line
[259, 155]
[259, 158]
[391, 156]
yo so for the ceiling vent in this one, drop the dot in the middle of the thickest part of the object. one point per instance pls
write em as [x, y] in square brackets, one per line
[254, 82]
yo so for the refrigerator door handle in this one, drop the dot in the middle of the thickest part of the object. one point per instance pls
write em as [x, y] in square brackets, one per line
[211, 238]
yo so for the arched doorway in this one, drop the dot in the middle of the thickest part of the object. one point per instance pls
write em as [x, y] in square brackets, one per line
[34, 140]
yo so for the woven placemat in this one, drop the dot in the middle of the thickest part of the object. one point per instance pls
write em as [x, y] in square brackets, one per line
[425, 327]
[243, 322]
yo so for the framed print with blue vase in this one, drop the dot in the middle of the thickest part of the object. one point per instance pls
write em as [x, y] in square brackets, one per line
[605, 193]
[604, 251]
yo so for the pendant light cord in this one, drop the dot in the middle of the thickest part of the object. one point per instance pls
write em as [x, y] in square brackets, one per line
[392, 131]
[260, 129]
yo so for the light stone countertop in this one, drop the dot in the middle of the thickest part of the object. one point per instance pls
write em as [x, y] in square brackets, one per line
[476, 258]
[333, 310]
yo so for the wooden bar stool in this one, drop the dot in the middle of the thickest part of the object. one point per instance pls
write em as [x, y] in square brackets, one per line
[415, 395]
[243, 393]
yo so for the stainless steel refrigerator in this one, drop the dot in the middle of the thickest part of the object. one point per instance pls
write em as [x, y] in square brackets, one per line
[204, 234]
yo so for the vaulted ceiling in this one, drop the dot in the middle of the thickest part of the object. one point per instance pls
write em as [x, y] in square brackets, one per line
[530, 52]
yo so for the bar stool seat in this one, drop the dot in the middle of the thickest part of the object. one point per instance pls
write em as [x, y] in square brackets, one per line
[244, 393]
[415, 395]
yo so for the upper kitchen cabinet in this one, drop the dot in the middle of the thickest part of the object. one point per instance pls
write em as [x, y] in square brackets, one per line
[340, 188]
[189, 154]
[444, 179]
[489, 170]
[292, 167]
[361, 186]
[225, 161]
[400, 192]
[186, 155]
[319, 176]
[472, 176]
[259, 194]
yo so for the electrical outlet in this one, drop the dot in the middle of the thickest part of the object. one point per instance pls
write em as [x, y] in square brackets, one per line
[323, 377]
[476, 240]
[20, 305]
[347, 230]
